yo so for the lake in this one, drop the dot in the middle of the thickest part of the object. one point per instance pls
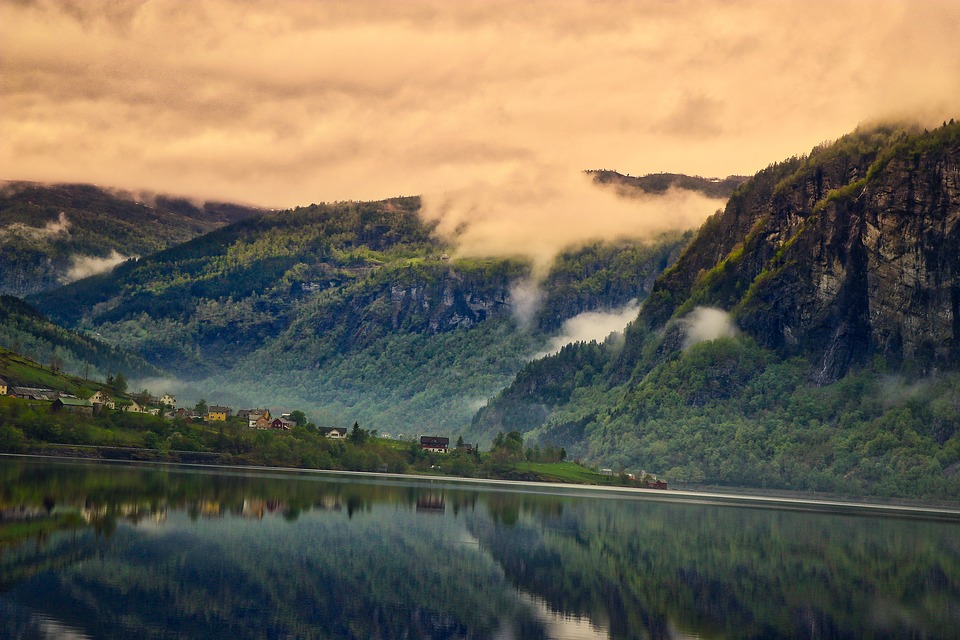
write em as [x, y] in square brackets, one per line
[95, 550]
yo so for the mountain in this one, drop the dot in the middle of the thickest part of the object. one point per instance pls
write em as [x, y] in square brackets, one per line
[51, 234]
[844, 256]
[660, 183]
[351, 311]
[807, 338]
[27, 332]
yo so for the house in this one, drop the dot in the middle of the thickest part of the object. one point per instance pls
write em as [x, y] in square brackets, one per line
[72, 405]
[3, 387]
[437, 444]
[168, 400]
[33, 393]
[263, 422]
[218, 414]
[101, 398]
[335, 433]
[283, 424]
[250, 416]
[133, 407]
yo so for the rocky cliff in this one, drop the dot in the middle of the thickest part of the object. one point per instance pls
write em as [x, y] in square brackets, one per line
[849, 254]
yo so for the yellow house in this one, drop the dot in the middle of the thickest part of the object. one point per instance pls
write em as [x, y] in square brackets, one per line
[218, 414]
[3, 387]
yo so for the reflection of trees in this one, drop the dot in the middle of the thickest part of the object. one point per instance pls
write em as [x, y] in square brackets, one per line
[308, 555]
[731, 572]
[311, 571]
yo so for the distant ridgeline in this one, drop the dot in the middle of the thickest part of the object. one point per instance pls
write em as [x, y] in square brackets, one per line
[51, 234]
[834, 367]
[660, 183]
[353, 311]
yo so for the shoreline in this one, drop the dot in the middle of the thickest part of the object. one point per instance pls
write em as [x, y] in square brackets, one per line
[825, 504]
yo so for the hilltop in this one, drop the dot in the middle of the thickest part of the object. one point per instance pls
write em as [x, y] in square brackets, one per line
[52, 234]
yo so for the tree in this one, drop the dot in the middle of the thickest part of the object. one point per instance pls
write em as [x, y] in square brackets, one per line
[201, 407]
[460, 442]
[299, 417]
[119, 383]
[358, 435]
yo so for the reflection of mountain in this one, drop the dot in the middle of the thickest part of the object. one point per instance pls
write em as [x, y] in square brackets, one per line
[374, 570]
[319, 556]
[325, 575]
[727, 572]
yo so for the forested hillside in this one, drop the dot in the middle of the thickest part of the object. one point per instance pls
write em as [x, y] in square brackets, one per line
[352, 311]
[25, 331]
[835, 366]
[51, 234]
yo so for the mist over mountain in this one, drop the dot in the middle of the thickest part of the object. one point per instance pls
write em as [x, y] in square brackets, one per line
[807, 338]
[53, 234]
[354, 311]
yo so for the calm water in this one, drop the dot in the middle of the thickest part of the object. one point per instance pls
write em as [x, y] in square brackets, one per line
[110, 551]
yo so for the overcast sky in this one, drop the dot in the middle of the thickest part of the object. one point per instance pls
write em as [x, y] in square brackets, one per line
[286, 102]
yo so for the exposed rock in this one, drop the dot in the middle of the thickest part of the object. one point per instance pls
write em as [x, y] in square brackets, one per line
[850, 254]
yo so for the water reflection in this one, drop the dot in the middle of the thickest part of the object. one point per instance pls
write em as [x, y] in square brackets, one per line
[115, 551]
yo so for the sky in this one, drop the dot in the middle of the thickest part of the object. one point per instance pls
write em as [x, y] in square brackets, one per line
[490, 109]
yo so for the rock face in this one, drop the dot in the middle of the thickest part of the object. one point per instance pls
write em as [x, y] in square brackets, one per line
[847, 255]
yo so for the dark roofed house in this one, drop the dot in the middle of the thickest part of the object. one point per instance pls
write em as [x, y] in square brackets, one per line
[72, 405]
[283, 424]
[437, 444]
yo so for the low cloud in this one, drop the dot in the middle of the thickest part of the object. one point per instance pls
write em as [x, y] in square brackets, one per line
[895, 389]
[51, 230]
[707, 323]
[592, 325]
[526, 296]
[537, 212]
[85, 266]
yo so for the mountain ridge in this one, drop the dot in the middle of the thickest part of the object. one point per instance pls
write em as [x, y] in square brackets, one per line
[51, 234]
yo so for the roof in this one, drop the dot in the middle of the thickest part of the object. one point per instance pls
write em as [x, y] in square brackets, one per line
[34, 393]
[435, 441]
[219, 409]
[73, 402]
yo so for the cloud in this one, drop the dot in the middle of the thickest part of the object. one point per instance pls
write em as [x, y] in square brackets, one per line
[707, 323]
[50, 231]
[286, 103]
[85, 266]
[592, 325]
[525, 300]
[537, 212]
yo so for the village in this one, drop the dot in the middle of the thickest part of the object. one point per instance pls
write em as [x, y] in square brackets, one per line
[165, 406]
[260, 419]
